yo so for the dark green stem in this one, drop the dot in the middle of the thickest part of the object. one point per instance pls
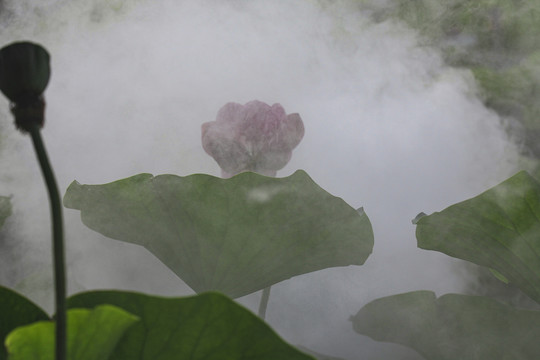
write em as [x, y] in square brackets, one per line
[264, 302]
[58, 241]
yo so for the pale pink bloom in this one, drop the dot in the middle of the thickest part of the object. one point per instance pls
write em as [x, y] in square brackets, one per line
[252, 137]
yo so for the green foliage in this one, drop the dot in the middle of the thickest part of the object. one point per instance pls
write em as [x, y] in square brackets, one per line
[498, 229]
[498, 40]
[5, 209]
[92, 335]
[514, 91]
[452, 326]
[15, 311]
[236, 235]
[124, 325]
[207, 326]
[500, 25]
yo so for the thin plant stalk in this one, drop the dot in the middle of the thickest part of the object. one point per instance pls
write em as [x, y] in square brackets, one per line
[58, 241]
[264, 302]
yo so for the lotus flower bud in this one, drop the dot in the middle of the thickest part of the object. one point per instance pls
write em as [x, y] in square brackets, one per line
[252, 137]
[24, 75]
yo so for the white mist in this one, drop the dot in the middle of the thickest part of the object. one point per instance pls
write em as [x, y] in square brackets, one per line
[388, 127]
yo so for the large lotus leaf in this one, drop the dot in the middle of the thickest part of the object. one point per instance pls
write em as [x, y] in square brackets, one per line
[499, 228]
[91, 335]
[203, 327]
[5, 209]
[453, 326]
[15, 311]
[236, 235]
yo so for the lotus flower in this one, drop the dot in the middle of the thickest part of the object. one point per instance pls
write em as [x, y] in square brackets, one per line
[252, 137]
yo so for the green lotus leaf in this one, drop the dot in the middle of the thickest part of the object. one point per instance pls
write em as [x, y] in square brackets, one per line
[208, 326]
[452, 326]
[15, 311]
[5, 209]
[499, 229]
[92, 335]
[236, 235]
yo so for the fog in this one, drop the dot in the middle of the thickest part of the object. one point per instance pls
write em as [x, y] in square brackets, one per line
[388, 126]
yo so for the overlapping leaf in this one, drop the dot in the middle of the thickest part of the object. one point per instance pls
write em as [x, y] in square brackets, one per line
[204, 327]
[499, 228]
[453, 326]
[15, 311]
[92, 335]
[236, 235]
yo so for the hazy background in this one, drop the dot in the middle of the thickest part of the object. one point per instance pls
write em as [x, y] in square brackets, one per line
[388, 127]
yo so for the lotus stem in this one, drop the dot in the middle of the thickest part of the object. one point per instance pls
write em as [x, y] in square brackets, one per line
[264, 302]
[58, 241]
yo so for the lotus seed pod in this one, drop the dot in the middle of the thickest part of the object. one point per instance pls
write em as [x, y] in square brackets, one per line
[24, 71]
